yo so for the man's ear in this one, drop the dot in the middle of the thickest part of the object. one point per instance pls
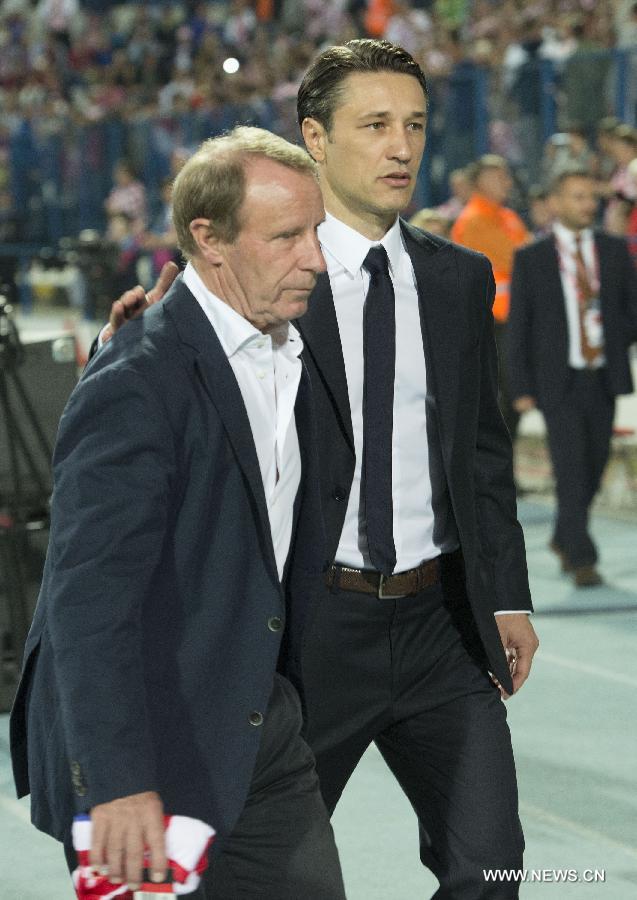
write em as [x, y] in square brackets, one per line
[315, 137]
[207, 242]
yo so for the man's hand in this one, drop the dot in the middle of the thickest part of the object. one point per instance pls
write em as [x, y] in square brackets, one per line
[121, 831]
[135, 301]
[520, 643]
[524, 404]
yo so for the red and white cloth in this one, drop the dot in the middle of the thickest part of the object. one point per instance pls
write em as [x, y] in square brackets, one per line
[187, 843]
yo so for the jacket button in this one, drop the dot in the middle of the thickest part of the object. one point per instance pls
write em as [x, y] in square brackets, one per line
[77, 779]
[275, 623]
[339, 493]
[255, 718]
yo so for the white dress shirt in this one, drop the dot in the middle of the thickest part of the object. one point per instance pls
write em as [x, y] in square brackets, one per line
[268, 371]
[345, 250]
[566, 249]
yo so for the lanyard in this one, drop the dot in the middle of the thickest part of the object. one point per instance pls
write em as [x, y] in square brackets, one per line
[563, 254]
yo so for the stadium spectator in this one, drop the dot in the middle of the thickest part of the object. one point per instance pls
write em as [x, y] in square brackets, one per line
[128, 196]
[540, 212]
[431, 220]
[565, 150]
[461, 190]
[585, 81]
[487, 225]
[150, 74]
[622, 185]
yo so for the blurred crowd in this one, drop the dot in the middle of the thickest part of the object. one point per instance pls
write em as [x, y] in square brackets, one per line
[98, 97]
[610, 158]
[94, 59]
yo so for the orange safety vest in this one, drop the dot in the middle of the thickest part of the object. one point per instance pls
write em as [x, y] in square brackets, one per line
[497, 232]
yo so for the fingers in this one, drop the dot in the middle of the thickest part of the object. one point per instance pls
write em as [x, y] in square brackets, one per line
[135, 301]
[156, 844]
[523, 661]
[122, 831]
[99, 836]
[130, 304]
[503, 693]
[133, 856]
[116, 851]
[166, 277]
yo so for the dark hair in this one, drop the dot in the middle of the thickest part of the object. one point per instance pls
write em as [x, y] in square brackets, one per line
[322, 84]
[566, 172]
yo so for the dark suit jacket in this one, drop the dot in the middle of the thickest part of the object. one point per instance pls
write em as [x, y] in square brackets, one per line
[456, 291]
[538, 331]
[152, 642]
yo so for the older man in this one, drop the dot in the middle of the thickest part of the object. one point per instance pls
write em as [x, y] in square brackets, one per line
[182, 463]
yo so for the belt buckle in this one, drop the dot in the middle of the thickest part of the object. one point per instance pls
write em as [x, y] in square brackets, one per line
[381, 594]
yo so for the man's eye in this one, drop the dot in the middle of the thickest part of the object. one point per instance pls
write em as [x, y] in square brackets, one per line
[376, 126]
[416, 126]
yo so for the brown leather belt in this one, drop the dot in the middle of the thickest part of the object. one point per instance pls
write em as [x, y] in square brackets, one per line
[385, 587]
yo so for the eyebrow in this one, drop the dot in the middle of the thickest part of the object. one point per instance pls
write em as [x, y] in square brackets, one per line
[417, 114]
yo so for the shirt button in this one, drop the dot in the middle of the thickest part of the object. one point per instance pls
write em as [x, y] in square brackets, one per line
[275, 623]
[260, 374]
[338, 493]
[255, 718]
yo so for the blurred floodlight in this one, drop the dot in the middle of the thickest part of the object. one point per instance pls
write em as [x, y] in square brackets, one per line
[230, 65]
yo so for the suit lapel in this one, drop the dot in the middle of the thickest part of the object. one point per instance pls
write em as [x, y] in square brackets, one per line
[549, 274]
[308, 543]
[319, 330]
[607, 278]
[219, 381]
[437, 284]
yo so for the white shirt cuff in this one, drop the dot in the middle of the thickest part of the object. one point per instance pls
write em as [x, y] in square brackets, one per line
[513, 612]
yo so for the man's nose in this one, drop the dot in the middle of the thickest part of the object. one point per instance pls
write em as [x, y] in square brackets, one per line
[313, 258]
[399, 146]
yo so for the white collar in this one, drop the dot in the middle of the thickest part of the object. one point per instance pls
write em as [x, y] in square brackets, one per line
[233, 331]
[566, 236]
[349, 247]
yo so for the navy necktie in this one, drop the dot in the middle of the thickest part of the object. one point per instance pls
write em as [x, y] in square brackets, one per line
[379, 343]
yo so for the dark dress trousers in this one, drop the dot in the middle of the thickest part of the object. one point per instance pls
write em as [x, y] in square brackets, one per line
[578, 404]
[411, 674]
[152, 656]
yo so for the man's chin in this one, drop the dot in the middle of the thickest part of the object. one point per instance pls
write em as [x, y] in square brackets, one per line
[300, 306]
[395, 201]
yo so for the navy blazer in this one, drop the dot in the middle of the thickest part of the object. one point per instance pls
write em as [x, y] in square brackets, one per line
[467, 434]
[153, 646]
[538, 331]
